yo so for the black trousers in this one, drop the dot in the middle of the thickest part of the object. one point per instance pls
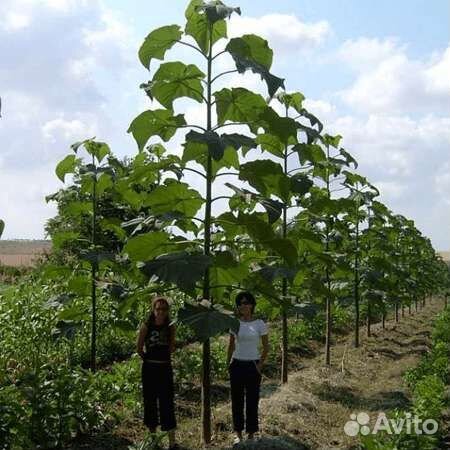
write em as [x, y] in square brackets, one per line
[245, 381]
[157, 386]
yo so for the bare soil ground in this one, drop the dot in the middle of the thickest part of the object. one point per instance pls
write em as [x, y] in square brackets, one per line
[311, 410]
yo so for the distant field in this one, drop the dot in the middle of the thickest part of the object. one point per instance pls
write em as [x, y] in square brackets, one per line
[445, 255]
[22, 252]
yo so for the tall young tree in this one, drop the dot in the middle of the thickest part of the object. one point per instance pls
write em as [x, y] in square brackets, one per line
[199, 265]
[361, 196]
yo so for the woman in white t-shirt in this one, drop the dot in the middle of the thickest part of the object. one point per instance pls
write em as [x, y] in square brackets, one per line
[246, 366]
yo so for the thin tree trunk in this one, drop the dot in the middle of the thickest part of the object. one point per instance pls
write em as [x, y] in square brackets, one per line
[357, 282]
[94, 276]
[206, 351]
[284, 352]
[285, 332]
[328, 280]
[396, 311]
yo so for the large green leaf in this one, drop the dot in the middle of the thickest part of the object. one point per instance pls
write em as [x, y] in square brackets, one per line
[129, 195]
[67, 165]
[218, 144]
[262, 233]
[79, 285]
[239, 105]
[332, 140]
[251, 52]
[160, 122]
[313, 120]
[174, 196]
[291, 100]
[225, 271]
[310, 153]
[239, 141]
[62, 238]
[247, 199]
[271, 144]
[78, 208]
[300, 184]
[217, 10]
[207, 322]
[348, 158]
[158, 42]
[271, 273]
[197, 151]
[97, 149]
[250, 47]
[198, 25]
[147, 246]
[284, 128]
[180, 268]
[175, 80]
[267, 177]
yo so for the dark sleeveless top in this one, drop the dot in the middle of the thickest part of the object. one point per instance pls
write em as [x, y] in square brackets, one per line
[157, 341]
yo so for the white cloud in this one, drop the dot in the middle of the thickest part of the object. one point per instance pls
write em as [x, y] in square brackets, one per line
[285, 33]
[391, 190]
[22, 196]
[15, 21]
[442, 183]
[389, 81]
[362, 53]
[68, 130]
[408, 161]
[112, 30]
[437, 76]
[67, 88]
[65, 6]
[395, 146]
[322, 109]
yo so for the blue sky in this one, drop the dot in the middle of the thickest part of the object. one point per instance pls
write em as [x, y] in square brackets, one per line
[378, 73]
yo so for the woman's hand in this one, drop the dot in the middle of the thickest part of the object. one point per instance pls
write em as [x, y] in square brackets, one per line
[259, 367]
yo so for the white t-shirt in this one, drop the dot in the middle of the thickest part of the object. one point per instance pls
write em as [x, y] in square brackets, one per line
[247, 340]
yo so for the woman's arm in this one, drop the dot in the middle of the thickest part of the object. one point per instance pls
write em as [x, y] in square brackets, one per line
[172, 340]
[231, 347]
[141, 339]
[265, 350]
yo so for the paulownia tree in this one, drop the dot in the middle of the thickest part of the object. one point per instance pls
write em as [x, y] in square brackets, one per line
[361, 195]
[324, 208]
[94, 179]
[199, 264]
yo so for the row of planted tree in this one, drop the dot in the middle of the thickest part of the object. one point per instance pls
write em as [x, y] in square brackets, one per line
[274, 206]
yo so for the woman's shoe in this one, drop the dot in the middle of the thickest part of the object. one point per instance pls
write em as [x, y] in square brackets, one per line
[236, 441]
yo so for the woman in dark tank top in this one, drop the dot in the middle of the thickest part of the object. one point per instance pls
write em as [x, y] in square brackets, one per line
[155, 344]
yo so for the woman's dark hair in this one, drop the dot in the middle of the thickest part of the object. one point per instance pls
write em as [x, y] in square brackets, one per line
[155, 301]
[248, 296]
